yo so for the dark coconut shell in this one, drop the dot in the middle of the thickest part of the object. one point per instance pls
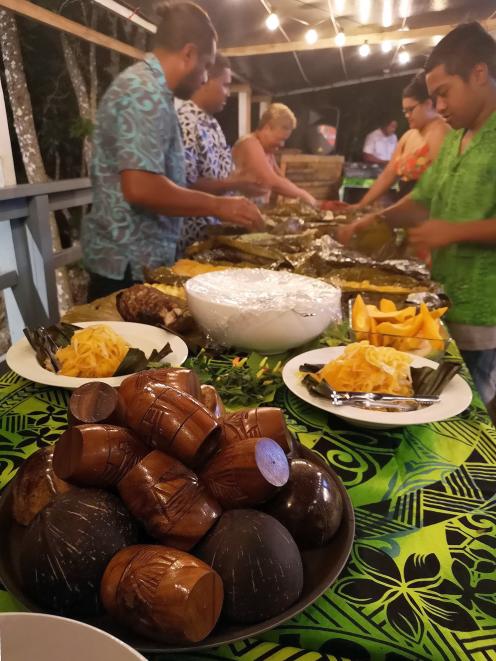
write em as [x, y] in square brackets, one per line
[310, 505]
[259, 563]
[67, 547]
[35, 486]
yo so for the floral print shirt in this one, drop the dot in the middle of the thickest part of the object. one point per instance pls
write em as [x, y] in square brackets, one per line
[207, 155]
[137, 129]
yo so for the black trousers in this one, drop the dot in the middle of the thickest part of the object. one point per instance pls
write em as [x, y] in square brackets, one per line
[100, 286]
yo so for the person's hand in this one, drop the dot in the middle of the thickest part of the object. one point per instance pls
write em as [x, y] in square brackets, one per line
[248, 185]
[240, 211]
[345, 233]
[335, 205]
[433, 234]
[309, 199]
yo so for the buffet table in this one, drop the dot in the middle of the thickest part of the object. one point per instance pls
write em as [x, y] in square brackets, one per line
[421, 580]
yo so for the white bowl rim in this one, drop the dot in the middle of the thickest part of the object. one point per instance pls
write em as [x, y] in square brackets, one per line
[47, 616]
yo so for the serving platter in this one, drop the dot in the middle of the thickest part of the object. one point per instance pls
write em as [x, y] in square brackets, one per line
[321, 568]
[455, 398]
[22, 359]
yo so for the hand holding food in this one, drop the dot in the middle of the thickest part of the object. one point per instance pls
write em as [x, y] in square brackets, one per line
[240, 211]
[345, 232]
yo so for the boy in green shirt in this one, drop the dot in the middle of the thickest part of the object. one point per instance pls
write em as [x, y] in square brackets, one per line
[452, 210]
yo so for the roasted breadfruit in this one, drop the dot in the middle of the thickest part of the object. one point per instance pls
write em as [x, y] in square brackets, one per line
[147, 305]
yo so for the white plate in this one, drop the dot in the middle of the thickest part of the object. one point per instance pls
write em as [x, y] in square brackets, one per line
[454, 399]
[40, 637]
[22, 359]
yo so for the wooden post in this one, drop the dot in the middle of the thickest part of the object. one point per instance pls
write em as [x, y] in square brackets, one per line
[263, 104]
[7, 256]
[244, 110]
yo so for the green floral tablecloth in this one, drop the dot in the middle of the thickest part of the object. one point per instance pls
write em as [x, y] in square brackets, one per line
[421, 581]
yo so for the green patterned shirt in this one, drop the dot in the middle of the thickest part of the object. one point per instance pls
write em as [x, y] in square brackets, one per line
[459, 188]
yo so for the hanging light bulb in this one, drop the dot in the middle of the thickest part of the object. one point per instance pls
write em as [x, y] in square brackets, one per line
[364, 9]
[272, 22]
[387, 13]
[386, 46]
[340, 39]
[311, 36]
[404, 10]
[364, 50]
[404, 57]
[340, 7]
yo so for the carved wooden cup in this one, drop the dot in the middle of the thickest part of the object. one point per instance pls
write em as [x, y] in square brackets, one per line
[169, 500]
[247, 473]
[170, 420]
[163, 593]
[256, 423]
[95, 403]
[96, 455]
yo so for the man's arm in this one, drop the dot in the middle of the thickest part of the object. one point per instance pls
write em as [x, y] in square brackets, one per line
[405, 213]
[439, 233]
[160, 195]
[370, 158]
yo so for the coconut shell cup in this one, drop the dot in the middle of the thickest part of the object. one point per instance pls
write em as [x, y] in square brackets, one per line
[259, 563]
[246, 473]
[35, 486]
[67, 547]
[163, 593]
[310, 505]
[96, 455]
[169, 500]
[170, 420]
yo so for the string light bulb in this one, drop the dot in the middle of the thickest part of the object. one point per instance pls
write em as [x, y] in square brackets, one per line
[311, 36]
[387, 13]
[386, 46]
[340, 39]
[272, 22]
[364, 9]
[364, 50]
[404, 57]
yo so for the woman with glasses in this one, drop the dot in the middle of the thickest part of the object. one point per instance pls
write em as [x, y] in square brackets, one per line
[417, 148]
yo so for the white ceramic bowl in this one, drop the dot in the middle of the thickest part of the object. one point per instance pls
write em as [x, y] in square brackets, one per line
[262, 310]
[40, 637]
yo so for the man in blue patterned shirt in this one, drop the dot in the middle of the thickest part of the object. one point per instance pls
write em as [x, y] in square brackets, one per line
[138, 169]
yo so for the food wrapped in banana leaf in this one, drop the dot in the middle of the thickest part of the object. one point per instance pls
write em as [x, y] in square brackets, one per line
[163, 275]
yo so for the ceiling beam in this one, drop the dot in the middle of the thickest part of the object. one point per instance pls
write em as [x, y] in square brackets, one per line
[351, 40]
[128, 14]
[53, 20]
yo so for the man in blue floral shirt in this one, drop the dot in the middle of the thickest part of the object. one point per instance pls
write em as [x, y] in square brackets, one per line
[138, 169]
